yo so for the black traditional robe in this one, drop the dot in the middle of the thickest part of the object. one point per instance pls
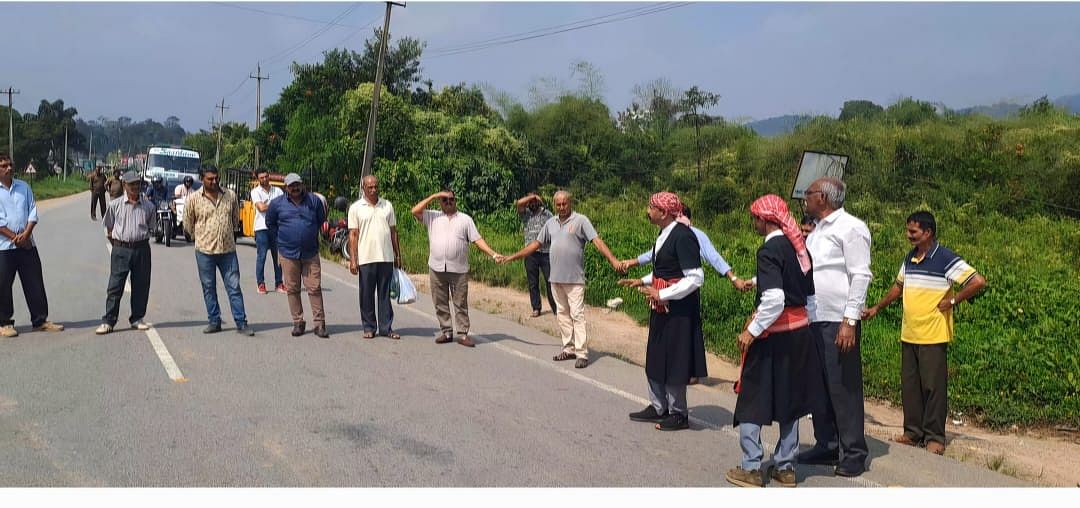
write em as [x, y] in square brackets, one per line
[676, 348]
[782, 374]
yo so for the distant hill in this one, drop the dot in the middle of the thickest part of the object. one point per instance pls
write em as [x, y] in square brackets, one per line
[999, 110]
[777, 125]
[1070, 102]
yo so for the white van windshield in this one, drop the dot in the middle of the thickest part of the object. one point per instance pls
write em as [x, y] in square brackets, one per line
[170, 163]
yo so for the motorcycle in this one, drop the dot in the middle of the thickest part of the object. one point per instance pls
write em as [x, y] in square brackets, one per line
[166, 224]
[338, 237]
[178, 227]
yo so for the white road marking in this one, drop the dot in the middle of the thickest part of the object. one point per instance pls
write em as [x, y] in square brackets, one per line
[166, 359]
[603, 386]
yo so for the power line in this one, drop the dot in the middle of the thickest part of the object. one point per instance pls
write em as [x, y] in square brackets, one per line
[478, 47]
[311, 37]
[510, 36]
[283, 15]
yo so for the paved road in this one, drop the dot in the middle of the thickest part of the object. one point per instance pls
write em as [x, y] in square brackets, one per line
[77, 409]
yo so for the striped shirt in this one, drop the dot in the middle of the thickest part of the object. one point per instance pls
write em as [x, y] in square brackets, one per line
[449, 237]
[927, 281]
[534, 222]
[212, 223]
[130, 222]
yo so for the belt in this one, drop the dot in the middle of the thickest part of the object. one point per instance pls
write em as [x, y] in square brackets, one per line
[130, 245]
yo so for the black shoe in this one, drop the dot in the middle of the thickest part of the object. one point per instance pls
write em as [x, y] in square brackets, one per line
[246, 330]
[212, 328]
[298, 329]
[850, 470]
[320, 331]
[819, 457]
[674, 421]
[648, 414]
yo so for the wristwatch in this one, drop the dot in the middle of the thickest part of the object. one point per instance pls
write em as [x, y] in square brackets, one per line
[852, 322]
[952, 302]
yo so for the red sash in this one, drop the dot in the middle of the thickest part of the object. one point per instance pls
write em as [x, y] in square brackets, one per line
[793, 318]
[660, 306]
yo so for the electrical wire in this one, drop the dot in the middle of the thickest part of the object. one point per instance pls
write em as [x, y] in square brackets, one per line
[279, 14]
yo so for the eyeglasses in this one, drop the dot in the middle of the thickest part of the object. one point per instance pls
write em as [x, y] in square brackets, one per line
[809, 193]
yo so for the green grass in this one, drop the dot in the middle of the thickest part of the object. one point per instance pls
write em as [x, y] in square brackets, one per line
[55, 187]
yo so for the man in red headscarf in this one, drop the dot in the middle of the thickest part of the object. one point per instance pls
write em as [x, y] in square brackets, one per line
[780, 366]
[676, 348]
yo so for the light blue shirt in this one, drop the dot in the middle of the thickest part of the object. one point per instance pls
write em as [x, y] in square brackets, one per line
[708, 253]
[17, 209]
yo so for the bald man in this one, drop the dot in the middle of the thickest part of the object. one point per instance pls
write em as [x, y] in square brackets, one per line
[373, 255]
[566, 236]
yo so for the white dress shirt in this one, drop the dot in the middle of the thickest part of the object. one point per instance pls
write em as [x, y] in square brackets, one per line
[691, 280]
[840, 249]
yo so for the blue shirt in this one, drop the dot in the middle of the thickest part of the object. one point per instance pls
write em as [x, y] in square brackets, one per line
[708, 253]
[296, 226]
[17, 209]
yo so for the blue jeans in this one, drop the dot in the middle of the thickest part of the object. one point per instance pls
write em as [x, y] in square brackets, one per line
[786, 447]
[265, 241]
[229, 267]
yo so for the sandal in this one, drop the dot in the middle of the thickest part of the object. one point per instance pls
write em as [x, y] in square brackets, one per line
[563, 356]
[369, 335]
[394, 335]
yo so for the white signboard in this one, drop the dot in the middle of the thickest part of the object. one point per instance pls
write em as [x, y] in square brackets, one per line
[816, 165]
[174, 152]
[30, 169]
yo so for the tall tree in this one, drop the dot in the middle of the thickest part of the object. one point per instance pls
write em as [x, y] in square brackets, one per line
[693, 105]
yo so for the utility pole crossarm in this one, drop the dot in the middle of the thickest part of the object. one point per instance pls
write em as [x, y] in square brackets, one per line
[258, 106]
[221, 124]
[11, 122]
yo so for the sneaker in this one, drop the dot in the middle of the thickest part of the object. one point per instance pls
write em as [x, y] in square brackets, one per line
[141, 325]
[783, 477]
[281, 289]
[49, 326]
[744, 478]
[674, 421]
[246, 330]
[103, 329]
[648, 414]
[212, 328]
[8, 331]
[262, 289]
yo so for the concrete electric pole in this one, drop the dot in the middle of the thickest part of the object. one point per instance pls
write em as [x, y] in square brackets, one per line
[258, 106]
[369, 145]
[11, 123]
[221, 123]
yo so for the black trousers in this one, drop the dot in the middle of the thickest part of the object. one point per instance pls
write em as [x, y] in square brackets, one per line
[924, 375]
[97, 202]
[375, 293]
[842, 424]
[534, 264]
[27, 264]
[126, 260]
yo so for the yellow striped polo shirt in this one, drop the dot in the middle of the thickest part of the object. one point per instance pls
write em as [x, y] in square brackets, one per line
[926, 282]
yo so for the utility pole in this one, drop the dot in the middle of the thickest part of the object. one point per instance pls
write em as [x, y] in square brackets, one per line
[369, 145]
[11, 123]
[221, 123]
[65, 152]
[258, 105]
[91, 155]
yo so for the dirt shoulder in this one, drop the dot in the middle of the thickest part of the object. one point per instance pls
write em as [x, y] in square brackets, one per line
[1044, 457]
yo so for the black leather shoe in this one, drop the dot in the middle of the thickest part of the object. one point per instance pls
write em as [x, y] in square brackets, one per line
[820, 457]
[320, 331]
[849, 470]
[298, 329]
[648, 414]
[212, 328]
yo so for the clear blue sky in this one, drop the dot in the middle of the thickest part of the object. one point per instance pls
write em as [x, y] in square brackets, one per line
[153, 60]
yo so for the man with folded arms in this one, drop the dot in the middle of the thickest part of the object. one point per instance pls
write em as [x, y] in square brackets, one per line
[128, 221]
[294, 221]
[840, 247]
[449, 234]
[676, 348]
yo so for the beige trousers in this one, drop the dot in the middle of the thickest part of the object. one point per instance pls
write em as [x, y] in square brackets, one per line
[570, 310]
[292, 270]
[444, 287]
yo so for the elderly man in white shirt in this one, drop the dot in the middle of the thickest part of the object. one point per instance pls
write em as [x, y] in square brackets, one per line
[840, 248]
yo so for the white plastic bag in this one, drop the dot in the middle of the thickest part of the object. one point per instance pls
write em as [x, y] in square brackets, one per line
[406, 289]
